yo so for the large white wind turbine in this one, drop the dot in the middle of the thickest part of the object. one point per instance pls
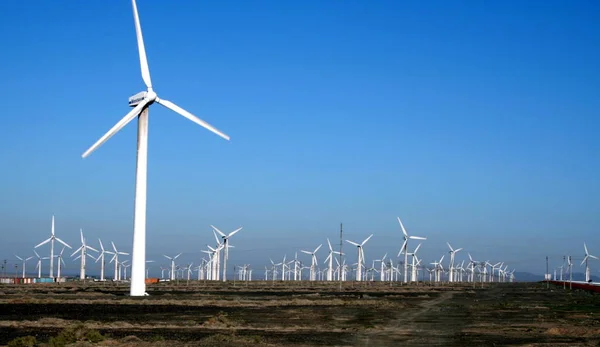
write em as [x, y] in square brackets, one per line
[405, 249]
[140, 103]
[226, 246]
[585, 260]
[361, 256]
[51, 240]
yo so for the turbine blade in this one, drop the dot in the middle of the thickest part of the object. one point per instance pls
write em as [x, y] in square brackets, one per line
[452, 249]
[61, 241]
[402, 226]
[18, 257]
[115, 129]
[219, 231]
[417, 238]
[403, 248]
[318, 248]
[234, 232]
[141, 48]
[417, 249]
[43, 243]
[186, 114]
[367, 239]
[352, 243]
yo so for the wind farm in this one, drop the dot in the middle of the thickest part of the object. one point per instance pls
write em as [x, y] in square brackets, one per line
[396, 175]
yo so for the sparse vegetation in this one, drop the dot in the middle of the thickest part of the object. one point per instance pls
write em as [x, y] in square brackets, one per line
[288, 314]
[24, 341]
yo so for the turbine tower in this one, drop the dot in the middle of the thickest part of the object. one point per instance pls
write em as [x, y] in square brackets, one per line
[226, 245]
[404, 248]
[51, 240]
[140, 103]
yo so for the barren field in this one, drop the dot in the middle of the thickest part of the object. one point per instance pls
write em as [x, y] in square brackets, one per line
[299, 314]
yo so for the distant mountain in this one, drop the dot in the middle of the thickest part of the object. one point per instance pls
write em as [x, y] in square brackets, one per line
[530, 277]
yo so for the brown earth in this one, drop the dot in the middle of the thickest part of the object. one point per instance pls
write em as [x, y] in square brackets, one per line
[304, 314]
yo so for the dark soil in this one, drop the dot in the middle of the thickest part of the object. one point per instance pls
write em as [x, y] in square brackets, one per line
[308, 314]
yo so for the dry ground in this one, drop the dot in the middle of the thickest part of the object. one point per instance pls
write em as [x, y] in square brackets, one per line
[304, 314]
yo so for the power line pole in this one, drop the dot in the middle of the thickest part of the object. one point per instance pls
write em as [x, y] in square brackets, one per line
[547, 281]
[340, 268]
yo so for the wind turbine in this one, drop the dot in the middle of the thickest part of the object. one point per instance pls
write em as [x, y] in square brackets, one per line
[313, 262]
[585, 260]
[452, 253]
[60, 261]
[115, 258]
[51, 240]
[226, 245]
[172, 259]
[361, 256]
[24, 262]
[39, 263]
[140, 103]
[83, 248]
[330, 259]
[101, 256]
[404, 248]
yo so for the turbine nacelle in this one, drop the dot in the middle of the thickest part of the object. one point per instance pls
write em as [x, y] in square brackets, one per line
[134, 100]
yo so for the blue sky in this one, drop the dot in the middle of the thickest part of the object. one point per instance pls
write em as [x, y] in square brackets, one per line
[475, 122]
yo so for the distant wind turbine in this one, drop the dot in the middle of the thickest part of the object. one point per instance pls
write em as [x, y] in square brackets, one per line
[361, 256]
[51, 240]
[226, 247]
[405, 247]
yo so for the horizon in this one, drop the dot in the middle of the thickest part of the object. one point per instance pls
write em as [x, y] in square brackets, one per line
[474, 123]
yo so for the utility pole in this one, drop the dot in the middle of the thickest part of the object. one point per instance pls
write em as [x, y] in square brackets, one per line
[4, 269]
[547, 282]
[341, 268]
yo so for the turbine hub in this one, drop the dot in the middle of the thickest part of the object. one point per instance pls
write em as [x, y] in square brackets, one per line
[151, 96]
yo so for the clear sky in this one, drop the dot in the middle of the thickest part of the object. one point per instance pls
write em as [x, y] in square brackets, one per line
[475, 122]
